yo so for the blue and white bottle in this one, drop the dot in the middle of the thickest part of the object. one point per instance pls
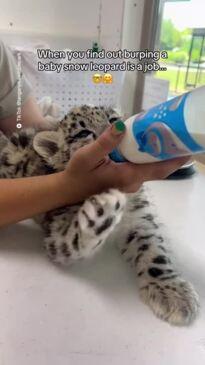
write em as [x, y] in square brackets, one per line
[171, 129]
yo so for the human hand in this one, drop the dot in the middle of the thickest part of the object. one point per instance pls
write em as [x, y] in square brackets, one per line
[91, 171]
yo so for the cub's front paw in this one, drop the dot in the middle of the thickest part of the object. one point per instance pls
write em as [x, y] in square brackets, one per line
[174, 301]
[100, 213]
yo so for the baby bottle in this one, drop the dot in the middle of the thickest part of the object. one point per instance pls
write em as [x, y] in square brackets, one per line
[171, 129]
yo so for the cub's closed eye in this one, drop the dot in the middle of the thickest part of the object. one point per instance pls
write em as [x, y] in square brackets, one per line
[113, 119]
[82, 134]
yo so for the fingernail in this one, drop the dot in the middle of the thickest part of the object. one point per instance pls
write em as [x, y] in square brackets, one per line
[118, 127]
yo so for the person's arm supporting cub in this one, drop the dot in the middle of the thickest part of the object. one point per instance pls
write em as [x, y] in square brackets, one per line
[89, 171]
[31, 116]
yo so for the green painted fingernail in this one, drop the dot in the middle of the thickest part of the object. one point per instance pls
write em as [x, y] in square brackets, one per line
[119, 126]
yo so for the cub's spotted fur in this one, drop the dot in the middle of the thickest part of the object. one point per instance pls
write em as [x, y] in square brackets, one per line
[76, 232]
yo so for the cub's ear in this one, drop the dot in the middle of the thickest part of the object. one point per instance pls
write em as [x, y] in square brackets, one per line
[47, 143]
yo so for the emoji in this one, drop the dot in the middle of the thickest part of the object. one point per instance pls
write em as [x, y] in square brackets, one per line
[97, 78]
[107, 79]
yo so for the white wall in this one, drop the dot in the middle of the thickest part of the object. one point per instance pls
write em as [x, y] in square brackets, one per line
[74, 20]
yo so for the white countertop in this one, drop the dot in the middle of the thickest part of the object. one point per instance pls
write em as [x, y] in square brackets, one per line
[91, 314]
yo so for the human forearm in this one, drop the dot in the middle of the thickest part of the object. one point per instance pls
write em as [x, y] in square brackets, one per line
[25, 197]
[31, 116]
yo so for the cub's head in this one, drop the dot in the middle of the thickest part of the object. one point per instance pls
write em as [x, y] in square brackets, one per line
[79, 127]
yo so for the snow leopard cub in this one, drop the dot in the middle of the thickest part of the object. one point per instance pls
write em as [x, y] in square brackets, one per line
[76, 232]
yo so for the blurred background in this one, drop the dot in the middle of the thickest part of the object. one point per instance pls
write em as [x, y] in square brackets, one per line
[177, 26]
[181, 31]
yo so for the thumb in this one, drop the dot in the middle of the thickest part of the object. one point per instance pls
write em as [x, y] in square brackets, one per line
[104, 144]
